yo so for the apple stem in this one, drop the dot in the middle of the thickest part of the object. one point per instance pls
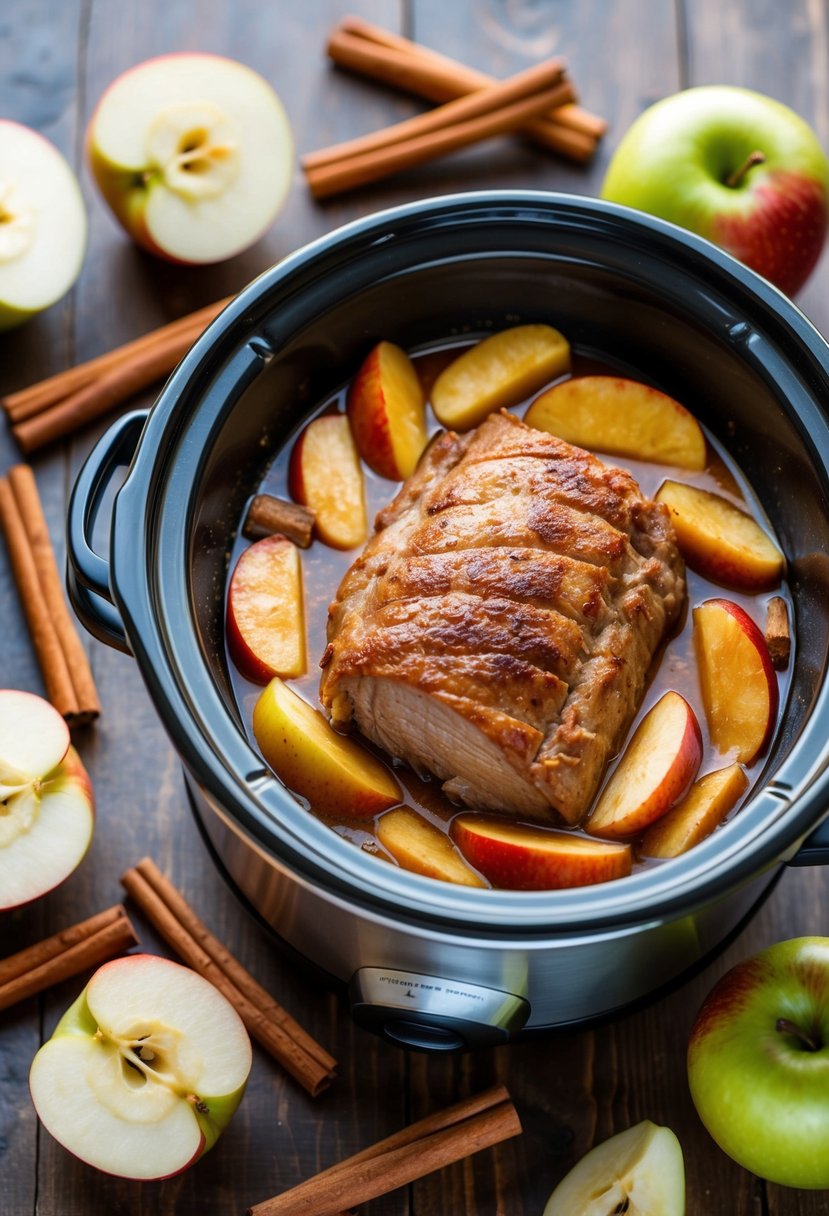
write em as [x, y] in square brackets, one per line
[735, 179]
[786, 1027]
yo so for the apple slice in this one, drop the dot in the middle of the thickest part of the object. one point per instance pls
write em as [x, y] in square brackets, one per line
[498, 372]
[639, 1171]
[194, 155]
[623, 417]
[658, 765]
[144, 1070]
[418, 846]
[739, 687]
[46, 802]
[42, 224]
[386, 410]
[701, 810]
[719, 540]
[265, 617]
[325, 475]
[522, 858]
[334, 773]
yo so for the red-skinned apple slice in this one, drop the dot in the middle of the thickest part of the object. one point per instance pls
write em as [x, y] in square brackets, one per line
[144, 1070]
[42, 224]
[325, 475]
[719, 540]
[622, 417]
[193, 153]
[523, 858]
[334, 773]
[46, 802]
[739, 687]
[387, 413]
[701, 810]
[418, 846]
[265, 617]
[500, 371]
[657, 767]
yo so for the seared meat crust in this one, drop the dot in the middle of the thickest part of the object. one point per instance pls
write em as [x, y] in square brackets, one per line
[498, 628]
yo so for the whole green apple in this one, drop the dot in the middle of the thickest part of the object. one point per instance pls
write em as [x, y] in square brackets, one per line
[734, 166]
[758, 1063]
[144, 1070]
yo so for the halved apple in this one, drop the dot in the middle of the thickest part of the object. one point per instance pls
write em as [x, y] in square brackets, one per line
[194, 155]
[719, 540]
[144, 1070]
[416, 845]
[519, 857]
[701, 810]
[265, 617]
[42, 224]
[387, 412]
[46, 801]
[325, 475]
[334, 773]
[655, 771]
[622, 417]
[739, 687]
[639, 1171]
[498, 372]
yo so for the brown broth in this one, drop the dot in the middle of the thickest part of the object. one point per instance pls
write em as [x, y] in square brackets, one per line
[673, 669]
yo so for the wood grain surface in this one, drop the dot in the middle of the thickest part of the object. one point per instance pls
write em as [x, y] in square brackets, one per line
[571, 1089]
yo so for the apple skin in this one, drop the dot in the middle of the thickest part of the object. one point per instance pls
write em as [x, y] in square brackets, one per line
[675, 159]
[760, 1091]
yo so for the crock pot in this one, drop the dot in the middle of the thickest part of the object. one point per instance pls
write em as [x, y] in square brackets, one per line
[429, 964]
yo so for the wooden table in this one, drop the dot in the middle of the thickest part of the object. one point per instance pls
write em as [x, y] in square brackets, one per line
[576, 1088]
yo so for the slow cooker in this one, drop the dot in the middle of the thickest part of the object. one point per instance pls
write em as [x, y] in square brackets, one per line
[429, 964]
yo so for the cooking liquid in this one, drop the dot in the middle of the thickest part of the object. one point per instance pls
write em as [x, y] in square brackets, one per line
[674, 667]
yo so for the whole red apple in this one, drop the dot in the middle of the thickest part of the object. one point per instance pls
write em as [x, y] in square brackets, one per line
[734, 166]
[758, 1063]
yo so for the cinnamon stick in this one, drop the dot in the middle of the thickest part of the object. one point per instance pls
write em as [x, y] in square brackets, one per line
[27, 402]
[267, 515]
[24, 488]
[87, 944]
[487, 112]
[397, 61]
[423, 1147]
[305, 1059]
[778, 635]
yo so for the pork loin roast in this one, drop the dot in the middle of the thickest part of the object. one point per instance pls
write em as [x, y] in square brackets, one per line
[498, 628]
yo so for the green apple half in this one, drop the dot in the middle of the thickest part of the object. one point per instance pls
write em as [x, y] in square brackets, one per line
[42, 224]
[758, 1063]
[144, 1070]
[194, 155]
[46, 801]
[734, 166]
[640, 1172]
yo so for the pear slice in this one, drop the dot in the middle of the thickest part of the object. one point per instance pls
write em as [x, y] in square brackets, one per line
[639, 1172]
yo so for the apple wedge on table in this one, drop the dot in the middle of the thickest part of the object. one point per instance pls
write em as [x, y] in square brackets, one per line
[655, 771]
[194, 155]
[498, 372]
[719, 540]
[739, 685]
[325, 475]
[386, 409]
[621, 417]
[419, 846]
[520, 857]
[265, 615]
[46, 802]
[144, 1070]
[335, 774]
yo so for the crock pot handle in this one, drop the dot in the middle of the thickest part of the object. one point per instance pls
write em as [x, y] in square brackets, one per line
[87, 577]
[815, 848]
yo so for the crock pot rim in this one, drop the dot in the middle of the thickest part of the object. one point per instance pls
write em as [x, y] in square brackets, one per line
[645, 894]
